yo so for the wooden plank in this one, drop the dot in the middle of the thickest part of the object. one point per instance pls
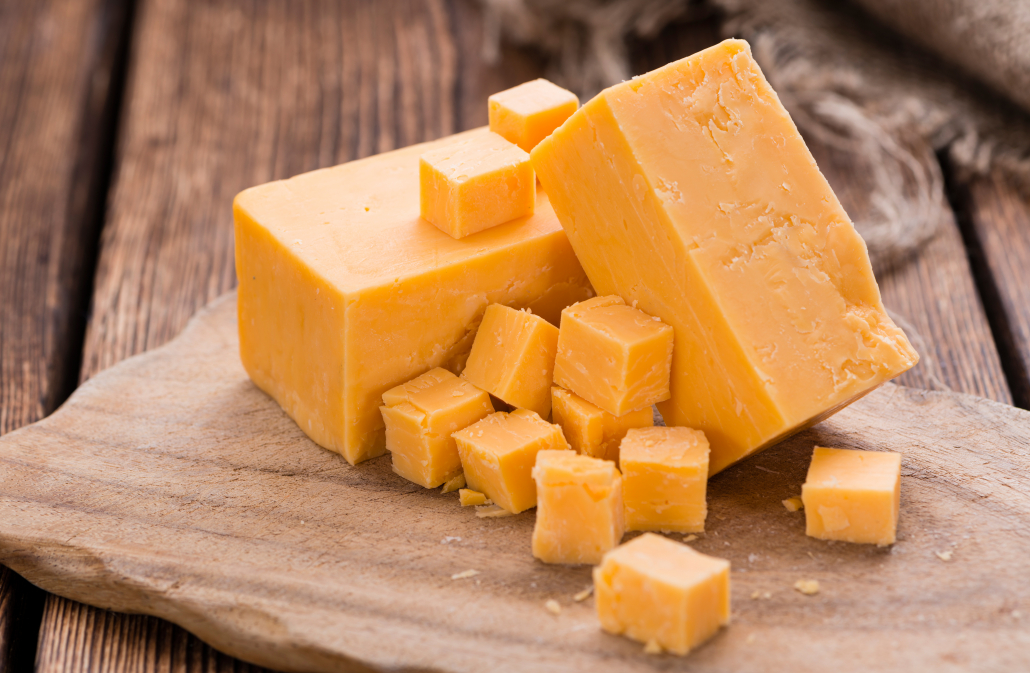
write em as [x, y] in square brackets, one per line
[221, 96]
[57, 63]
[223, 515]
[997, 223]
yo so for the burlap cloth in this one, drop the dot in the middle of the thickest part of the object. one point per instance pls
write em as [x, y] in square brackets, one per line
[896, 85]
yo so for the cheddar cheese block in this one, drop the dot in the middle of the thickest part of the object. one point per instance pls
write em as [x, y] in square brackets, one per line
[662, 593]
[527, 113]
[345, 292]
[498, 454]
[590, 430]
[690, 192]
[512, 358]
[579, 512]
[665, 479]
[854, 496]
[475, 183]
[420, 417]
[613, 355]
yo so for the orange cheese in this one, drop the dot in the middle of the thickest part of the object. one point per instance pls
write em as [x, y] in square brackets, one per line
[527, 113]
[420, 416]
[854, 496]
[498, 454]
[345, 292]
[662, 593]
[665, 479]
[613, 355]
[590, 430]
[579, 512]
[689, 191]
[475, 183]
[512, 358]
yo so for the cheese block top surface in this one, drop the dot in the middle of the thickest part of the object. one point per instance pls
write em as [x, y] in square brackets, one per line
[675, 447]
[853, 470]
[667, 561]
[357, 225]
[555, 468]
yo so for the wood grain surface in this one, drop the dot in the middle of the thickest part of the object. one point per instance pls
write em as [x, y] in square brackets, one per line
[999, 220]
[171, 485]
[58, 59]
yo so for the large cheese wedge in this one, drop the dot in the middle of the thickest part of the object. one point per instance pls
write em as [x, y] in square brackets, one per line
[345, 292]
[689, 193]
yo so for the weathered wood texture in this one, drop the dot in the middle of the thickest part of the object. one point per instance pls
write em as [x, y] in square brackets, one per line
[998, 222]
[221, 96]
[174, 486]
[58, 59]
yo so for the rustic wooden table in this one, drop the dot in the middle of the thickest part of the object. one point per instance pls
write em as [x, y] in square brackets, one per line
[128, 127]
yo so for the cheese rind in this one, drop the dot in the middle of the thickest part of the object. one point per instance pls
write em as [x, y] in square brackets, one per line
[854, 496]
[336, 270]
[475, 183]
[498, 454]
[529, 112]
[579, 513]
[613, 355]
[590, 430]
[420, 417]
[665, 479]
[512, 358]
[652, 589]
[735, 239]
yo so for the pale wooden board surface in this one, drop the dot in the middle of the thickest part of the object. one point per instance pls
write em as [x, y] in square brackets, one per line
[999, 215]
[170, 485]
[57, 58]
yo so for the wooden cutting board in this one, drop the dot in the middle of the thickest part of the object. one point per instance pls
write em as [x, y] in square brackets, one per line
[170, 485]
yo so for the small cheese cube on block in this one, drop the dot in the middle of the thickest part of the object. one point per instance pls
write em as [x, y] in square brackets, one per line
[528, 113]
[853, 496]
[579, 513]
[662, 593]
[613, 355]
[476, 183]
[512, 358]
[589, 429]
[498, 454]
[345, 292]
[665, 479]
[420, 417]
[689, 191]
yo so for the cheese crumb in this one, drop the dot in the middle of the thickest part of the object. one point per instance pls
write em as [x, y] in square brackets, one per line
[652, 647]
[583, 595]
[761, 595]
[690, 538]
[807, 587]
[553, 607]
[794, 504]
[943, 555]
[465, 574]
[454, 484]
[468, 497]
[492, 511]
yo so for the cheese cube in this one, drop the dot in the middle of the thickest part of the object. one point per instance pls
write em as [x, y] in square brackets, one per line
[512, 358]
[689, 191]
[476, 183]
[498, 454]
[528, 113]
[665, 479]
[420, 417]
[338, 273]
[579, 512]
[613, 355]
[853, 496]
[662, 593]
[590, 430]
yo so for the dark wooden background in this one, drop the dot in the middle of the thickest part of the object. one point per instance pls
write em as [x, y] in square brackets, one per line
[126, 128]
